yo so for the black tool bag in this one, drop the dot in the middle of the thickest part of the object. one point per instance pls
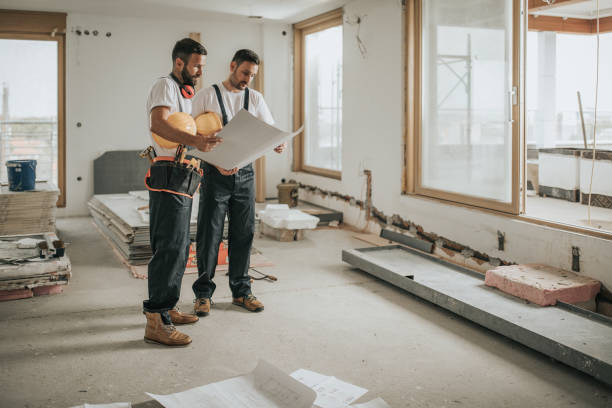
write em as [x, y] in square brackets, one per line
[174, 178]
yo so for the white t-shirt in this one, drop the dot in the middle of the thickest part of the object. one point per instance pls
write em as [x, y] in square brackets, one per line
[165, 92]
[206, 101]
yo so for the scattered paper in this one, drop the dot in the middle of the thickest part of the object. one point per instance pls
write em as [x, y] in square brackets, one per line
[115, 405]
[331, 392]
[245, 139]
[265, 387]
[375, 403]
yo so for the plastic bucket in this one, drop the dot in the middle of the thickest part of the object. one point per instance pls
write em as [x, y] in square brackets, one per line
[21, 174]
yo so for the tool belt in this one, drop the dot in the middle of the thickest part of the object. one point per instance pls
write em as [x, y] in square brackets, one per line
[174, 177]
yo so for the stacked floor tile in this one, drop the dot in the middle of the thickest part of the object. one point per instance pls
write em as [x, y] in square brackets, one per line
[28, 212]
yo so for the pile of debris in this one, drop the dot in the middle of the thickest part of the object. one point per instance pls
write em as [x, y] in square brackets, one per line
[32, 265]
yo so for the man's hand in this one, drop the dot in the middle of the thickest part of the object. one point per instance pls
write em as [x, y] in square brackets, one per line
[207, 143]
[227, 172]
[280, 148]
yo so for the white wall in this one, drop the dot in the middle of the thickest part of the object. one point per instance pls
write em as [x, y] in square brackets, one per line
[108, 79]
[373, 123]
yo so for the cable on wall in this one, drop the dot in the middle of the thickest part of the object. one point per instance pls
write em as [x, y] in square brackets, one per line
[357, 20]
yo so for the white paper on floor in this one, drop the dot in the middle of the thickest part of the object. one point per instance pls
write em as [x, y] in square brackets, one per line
[115, 405]
[265, 387]
[375, 403]
[331, 392]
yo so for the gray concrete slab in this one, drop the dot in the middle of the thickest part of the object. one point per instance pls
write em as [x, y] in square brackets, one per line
[85, 345]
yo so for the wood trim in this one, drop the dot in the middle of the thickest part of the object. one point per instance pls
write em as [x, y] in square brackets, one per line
[512, 207]
[558, 24]
[313, 21]
[411, 72]
[539, 5]
[32, 22]
[318, 23]
[260, 164]
[61, 103]
[322, 172]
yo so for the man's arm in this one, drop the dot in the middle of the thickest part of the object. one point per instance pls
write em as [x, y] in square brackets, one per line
[159, 125]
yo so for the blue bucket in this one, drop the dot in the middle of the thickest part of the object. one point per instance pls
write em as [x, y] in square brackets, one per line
[21, 174]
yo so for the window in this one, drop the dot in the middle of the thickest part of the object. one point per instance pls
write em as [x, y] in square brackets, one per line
[32, 93]
[318, 94]
[463, 101]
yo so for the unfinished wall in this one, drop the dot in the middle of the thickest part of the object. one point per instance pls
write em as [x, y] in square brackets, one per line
[372, 138]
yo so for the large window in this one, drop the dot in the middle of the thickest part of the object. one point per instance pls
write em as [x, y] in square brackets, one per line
[464, 97]
[32, 96]
[318, 94]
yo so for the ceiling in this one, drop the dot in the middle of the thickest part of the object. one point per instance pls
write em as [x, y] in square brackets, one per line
[585, 9]
[288, 11]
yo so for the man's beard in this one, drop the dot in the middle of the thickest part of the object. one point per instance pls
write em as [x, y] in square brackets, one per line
[187, 79]
[238, 84]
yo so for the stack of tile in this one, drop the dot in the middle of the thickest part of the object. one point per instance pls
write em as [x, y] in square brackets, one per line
[28, 212]
[124, 220]
[30, 265]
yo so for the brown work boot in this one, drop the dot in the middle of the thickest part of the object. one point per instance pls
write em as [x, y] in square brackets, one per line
[179, 317]
[249, 302]
[158, 332]
[202, 306]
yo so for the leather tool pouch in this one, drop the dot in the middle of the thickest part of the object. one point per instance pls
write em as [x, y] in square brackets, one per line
[174, 178]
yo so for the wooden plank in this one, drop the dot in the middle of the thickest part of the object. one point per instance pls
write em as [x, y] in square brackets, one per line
[559, 24]
[32, 22]
[539, 5]
[196, 37]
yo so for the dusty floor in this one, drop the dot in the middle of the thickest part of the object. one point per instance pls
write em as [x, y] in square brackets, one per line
[86, 345]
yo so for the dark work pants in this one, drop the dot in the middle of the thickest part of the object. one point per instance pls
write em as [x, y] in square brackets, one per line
[169, 216]
[234, 195]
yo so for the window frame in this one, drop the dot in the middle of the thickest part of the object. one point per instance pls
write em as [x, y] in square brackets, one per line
[412, 183]
[44, 26]
[300, 30]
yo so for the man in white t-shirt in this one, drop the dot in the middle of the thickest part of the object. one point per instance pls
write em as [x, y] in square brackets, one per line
[171, 185]
[229, 191]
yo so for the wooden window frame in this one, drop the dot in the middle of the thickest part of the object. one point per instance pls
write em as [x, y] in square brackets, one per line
[300, 30]
[412, 114]
[413, 157]
[43, 26]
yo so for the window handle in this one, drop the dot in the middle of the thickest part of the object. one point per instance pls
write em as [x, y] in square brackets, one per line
[512, 100]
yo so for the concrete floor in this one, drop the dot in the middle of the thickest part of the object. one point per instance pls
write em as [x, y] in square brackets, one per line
[86, 345]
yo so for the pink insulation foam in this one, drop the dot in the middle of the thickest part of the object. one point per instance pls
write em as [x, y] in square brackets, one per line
[542, 284]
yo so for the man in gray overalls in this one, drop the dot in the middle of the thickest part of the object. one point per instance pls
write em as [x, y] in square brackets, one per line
[229, 191]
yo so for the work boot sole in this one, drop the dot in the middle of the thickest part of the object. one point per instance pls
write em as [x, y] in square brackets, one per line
[151, 341]
[259, 309]
[201, 314]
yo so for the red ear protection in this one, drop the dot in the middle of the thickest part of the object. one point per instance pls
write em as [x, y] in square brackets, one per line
[187, 91]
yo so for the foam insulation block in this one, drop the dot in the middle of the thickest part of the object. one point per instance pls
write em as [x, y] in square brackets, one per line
[542, 284]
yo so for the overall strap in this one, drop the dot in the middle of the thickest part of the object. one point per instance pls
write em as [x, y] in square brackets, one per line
[220, 100]
[246, 99]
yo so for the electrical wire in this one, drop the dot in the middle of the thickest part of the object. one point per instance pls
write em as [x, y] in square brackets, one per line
[595, 121]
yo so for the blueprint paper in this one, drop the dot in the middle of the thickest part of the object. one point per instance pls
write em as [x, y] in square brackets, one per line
[245, 139]
[331, 392]
[265, 387]
[375, 403]
[307, 377]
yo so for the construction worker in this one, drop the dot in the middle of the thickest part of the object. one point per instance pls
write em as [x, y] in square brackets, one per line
[229, 191]
[171, 183]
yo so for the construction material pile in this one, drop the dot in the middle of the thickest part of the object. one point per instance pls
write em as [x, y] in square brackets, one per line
[124, 220]
[32, 265]
[28, 212]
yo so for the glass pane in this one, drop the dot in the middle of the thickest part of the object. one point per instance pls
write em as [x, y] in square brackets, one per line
[466, 81]
[323, 99]
[28, 119]
[560, 97]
